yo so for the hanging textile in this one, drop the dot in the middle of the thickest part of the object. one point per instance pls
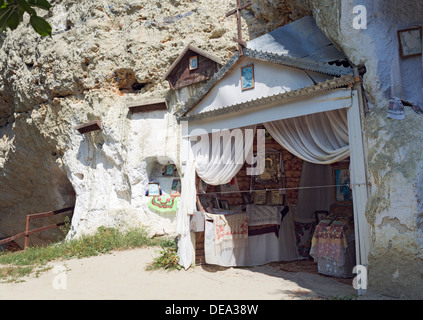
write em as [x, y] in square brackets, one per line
[314, 199]
[187, 201]
[320, 138]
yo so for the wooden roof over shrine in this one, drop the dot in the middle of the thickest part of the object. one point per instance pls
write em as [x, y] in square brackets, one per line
[193, 65]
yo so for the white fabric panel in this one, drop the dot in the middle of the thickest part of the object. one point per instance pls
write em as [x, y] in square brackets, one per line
[186, 207]
[320, 138]
[261, 249]
[187, 201]
[314, 199]
[185, 248]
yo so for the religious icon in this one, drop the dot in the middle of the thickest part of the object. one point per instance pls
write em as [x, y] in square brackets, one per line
[343, 192]
[153, 189]
[276, 198]
[176, 188]
[215, 202]
[169, 170]
[193, 62]
[260, 197]
[272, 169]
[247, 77]
[205, 201]
[224, 204]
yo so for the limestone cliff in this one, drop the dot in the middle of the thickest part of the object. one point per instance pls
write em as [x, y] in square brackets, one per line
[102, 55]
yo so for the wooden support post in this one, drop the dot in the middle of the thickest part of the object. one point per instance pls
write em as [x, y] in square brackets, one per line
[26, 244]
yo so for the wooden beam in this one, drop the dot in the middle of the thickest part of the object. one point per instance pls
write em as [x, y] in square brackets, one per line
[148, 106]
[89, 126]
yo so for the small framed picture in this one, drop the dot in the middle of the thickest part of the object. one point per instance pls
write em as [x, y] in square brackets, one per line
[410, 42]
[215, 202]
[193, 63]
[204, 201]
[169, 170]
[260, 197]
[276, 198]
[153, 189]
[247, 77]
[246, 198]
[224, 204]
[320, 215]
[176, 188]
[343, 192]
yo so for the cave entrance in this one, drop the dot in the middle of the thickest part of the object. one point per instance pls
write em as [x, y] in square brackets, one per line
[49, 191]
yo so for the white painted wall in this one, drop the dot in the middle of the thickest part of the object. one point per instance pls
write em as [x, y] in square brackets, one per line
[269, 78]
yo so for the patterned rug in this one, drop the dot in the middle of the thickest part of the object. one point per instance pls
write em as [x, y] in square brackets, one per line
[163, 204]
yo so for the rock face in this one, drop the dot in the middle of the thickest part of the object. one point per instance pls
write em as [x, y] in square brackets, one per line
[102, 55]
[106, 54]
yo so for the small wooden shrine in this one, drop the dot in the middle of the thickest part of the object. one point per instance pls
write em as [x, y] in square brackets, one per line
[192, 66]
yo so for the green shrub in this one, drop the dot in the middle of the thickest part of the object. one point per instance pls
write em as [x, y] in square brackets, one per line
[168, 259]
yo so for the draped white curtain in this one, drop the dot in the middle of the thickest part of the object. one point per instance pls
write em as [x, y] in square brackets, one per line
[318, 198]
[320, 138]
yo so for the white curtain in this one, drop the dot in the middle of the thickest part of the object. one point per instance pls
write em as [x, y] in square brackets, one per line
[320, 138]
[318, 198]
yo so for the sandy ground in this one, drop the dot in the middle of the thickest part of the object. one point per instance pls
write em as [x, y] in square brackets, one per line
[122, 275]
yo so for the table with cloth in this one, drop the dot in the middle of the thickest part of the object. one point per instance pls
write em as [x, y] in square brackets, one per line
[333, 246]
[255, 237]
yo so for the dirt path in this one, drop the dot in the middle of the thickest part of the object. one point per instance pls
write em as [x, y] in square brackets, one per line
[122, 275]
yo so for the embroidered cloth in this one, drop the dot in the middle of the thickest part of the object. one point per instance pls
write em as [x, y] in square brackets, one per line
[230, 231]
[263, 215]
[330, 239]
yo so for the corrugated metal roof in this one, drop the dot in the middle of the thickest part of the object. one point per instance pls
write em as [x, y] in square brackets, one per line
[299, 63]
[299, 39]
